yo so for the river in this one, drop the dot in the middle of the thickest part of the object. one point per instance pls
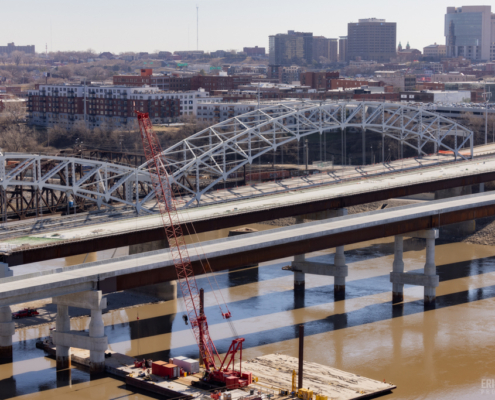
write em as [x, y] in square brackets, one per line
[444, 353]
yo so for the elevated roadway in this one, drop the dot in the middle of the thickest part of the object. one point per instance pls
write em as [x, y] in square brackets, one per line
[371, 184]
[154, 267]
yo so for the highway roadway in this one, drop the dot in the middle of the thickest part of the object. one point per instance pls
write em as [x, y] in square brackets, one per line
[153, 267]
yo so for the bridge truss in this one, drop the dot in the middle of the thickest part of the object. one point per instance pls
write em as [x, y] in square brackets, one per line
[34, 185]
[221, 150]
[46, 184]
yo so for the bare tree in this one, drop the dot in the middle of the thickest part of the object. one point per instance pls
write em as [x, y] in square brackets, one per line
[97, 73]
[14, 113]
[17, 57]
[65, 72]
[18, 138]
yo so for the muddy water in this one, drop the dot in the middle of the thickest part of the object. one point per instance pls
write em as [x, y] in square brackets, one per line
[443, 353]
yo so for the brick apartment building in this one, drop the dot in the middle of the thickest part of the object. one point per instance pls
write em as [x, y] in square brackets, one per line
[318, 80]
[65, 105]
[177, 83]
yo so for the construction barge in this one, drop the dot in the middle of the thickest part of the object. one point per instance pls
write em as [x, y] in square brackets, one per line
[272, 378]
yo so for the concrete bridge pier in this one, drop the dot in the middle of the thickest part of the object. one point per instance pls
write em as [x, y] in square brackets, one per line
[398, 267]
[299, 276]
[338, 269]
[429, 279]
[95, 341]
[7, 326]
[62, 324]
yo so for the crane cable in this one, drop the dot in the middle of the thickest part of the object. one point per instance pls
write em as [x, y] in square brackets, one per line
[202, 257]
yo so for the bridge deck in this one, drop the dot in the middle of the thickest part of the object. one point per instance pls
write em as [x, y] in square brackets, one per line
[157, 266]
[251, 199]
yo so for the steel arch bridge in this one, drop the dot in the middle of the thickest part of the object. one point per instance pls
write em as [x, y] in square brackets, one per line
[220, 151]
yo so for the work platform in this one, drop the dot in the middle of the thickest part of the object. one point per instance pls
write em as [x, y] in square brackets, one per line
[275, 371]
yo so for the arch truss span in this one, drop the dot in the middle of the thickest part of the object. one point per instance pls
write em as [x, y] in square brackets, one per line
[48, 183]
[218, 152]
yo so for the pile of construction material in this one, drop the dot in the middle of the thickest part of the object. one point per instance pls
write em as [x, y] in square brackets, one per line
[275, 370]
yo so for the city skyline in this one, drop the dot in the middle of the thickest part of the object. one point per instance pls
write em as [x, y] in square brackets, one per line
[171, 25]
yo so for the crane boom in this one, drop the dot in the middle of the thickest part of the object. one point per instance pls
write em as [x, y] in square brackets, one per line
[161, 181]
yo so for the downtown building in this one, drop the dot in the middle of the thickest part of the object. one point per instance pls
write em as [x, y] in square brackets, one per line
[326, 48]
[116, 106]
[371, 40]
[291, 48]
[470, 32]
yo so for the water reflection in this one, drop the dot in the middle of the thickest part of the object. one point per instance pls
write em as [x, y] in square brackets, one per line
[364, 333]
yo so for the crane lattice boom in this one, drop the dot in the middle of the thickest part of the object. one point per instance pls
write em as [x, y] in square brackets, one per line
[160, 178]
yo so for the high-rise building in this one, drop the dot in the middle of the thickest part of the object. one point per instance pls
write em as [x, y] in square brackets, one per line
[291, 48]
[372, 39]
[343, 48]
[12, 47]
[326, 48]
[470, 32]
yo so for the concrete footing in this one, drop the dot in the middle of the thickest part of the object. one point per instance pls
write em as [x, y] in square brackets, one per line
[429, 279]
[96, 341]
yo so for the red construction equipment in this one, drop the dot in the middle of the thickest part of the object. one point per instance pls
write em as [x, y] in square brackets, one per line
[162, 183]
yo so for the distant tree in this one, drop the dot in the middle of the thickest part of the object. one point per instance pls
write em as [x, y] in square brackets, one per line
[17, 57]
[116, 67]
[18, 138]
[14, 113]
[202, 72]
[97, 73]
[65, 72]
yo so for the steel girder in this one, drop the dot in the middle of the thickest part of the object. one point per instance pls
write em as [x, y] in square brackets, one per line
[220, 150]
[95, 181]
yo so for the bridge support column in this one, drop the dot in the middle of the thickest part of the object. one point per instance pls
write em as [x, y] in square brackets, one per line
[96, 341]
[429, 279]
[398, 267]
[339, 262]
[62, 325]
[299, 277]
[430, 271]
[7, 326]
[96, 330]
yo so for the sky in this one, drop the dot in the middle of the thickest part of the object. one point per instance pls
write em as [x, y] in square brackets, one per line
[170, 25]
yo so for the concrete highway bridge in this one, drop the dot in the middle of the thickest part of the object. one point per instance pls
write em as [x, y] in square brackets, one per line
[43, 239]
[84, 285]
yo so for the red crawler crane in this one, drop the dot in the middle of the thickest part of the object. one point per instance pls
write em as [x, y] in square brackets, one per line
[158, 169]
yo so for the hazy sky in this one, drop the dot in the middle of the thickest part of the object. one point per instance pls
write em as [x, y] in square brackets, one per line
[124, 25]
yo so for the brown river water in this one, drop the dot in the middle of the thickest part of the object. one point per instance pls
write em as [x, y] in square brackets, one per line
[443, 353]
